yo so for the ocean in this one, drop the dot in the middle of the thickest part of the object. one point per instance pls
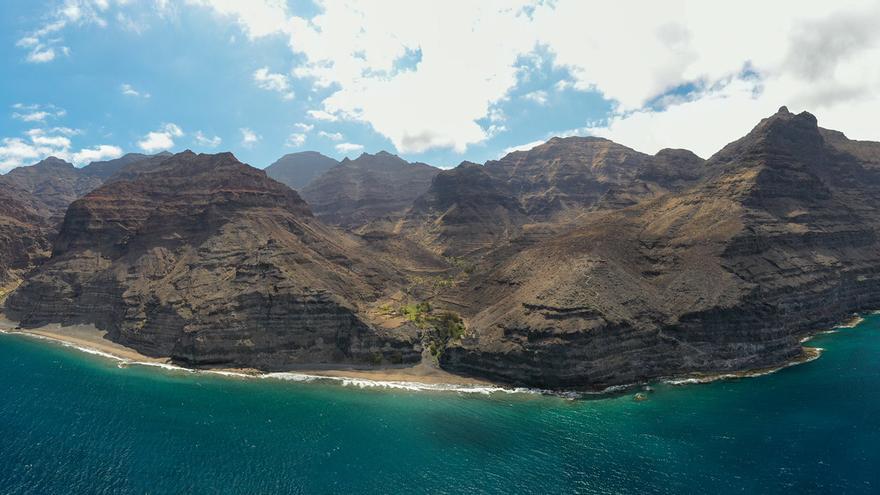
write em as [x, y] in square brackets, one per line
[72, 422]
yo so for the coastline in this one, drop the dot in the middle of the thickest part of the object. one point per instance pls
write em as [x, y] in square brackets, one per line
[421, 377]
[91, 340]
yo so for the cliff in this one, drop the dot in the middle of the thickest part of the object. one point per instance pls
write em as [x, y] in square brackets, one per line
[529, 195]
[208, 261]
[585, 264]
[778, 239]
[368, 188]
[33, 200]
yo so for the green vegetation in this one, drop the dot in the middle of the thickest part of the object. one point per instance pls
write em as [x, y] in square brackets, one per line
[440, 327]
[448, 327]
[418, 313]
[462, 264]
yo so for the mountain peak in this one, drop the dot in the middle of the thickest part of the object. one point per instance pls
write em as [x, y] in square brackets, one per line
[783, 132]
[54, 161]
[299, 169]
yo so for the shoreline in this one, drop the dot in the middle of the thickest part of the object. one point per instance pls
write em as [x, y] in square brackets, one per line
[421, 377]
[91, 340]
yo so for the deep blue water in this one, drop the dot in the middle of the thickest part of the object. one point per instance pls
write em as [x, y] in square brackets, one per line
[74, 423]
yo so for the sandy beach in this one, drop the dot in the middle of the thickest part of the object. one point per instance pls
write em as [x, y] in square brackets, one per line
[92, 338]
[85, 336]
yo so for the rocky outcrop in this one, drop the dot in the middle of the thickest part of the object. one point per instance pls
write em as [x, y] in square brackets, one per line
[104, 170]
[208, 261]
[366, 189]
[33, 200]
[49, 186]
[528, 195]
[298, 170]
[23, 238]
[778, 239]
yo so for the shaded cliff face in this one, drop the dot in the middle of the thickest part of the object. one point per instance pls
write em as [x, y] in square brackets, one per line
[778, 239]
[34, 200]
[209, 261]
[49, 186]
[23, 239]
[369, 188]
[528, 195]
[105, 170]
[298, 170]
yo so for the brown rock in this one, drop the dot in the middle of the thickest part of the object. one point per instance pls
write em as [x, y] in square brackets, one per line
[208, 261]
[369, 188]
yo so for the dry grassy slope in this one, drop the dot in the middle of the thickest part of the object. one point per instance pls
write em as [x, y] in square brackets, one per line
[209, 261]
[779, 238]
[529, 195]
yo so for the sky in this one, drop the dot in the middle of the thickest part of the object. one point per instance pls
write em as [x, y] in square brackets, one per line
[431, 81]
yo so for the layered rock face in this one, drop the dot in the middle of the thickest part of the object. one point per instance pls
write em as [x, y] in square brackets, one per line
[298, 170]
[778, 239]
[23, 241]
[369, 188]
[208, 261]
[105, 170]
[49, 186]
[528, 195]
[584, 264]
[33, 201]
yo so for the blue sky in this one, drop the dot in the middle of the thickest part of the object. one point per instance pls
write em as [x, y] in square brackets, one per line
[433, 82]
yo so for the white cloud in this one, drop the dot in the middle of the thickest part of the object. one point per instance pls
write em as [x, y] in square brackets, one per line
[429, 74]
[273, 82]
[349, 147]
[249, 138]
[64, 131]
[332, 136]
[563, 85]
[41, 54]
[539, 97]
[161, 139]
[295, 140]
[42, 43]
[322, 115]
[304, 127]
[36, 113]
[462, 70]
[258, 18]
[128, 90]
[209, 142]
[36, 116]
[100, 152]
[523, 147]
[40, 143]
[828, 65]
[51, 141]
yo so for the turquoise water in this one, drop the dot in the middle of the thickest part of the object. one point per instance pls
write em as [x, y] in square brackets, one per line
[74, 423]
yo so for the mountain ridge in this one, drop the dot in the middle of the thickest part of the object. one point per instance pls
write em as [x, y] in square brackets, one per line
[578, 264]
